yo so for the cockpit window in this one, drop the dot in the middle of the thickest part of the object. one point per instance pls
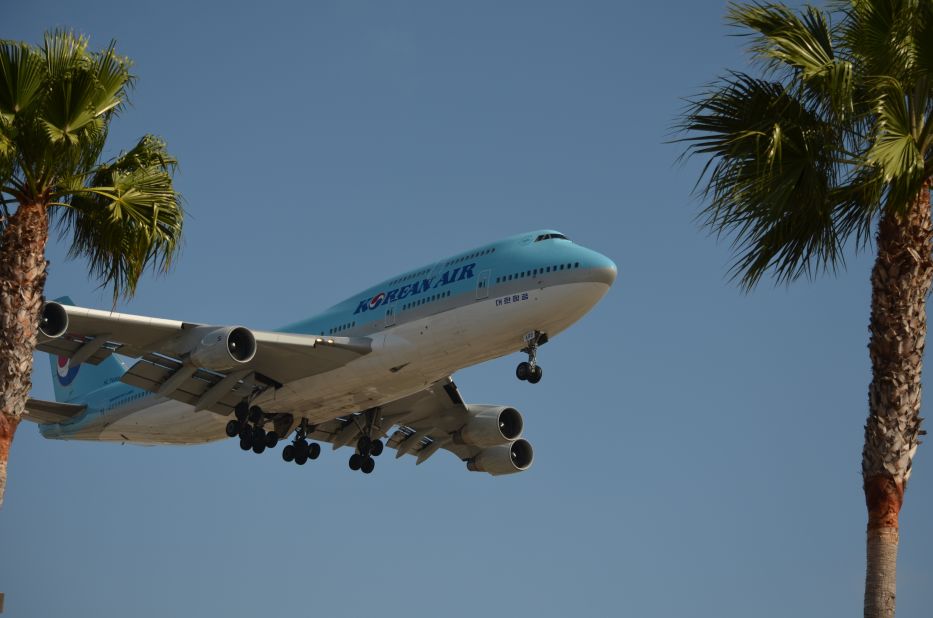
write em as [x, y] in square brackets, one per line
[550, 236]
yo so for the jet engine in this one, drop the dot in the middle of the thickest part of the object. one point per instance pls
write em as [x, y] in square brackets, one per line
[503, 459]
[490, 426]
[224, 348]
[54, 322]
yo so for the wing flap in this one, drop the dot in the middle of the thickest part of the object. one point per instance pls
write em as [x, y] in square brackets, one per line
[69, 346]
[153, 371]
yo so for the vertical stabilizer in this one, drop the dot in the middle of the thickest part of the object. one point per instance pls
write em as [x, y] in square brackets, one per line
[73, 383]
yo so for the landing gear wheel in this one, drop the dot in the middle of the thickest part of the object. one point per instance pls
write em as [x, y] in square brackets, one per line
[523, 371]
[246, 433]
[368, 465]
[364, 444]
[241, 411]
[259, 447]
[259, 436]
[246, 444]
[288, 453]
[272, 439]
[536, 374]
[301, 458]
[356, 461]
[233, 428]
[301, 447]
[314, 451]
[375, 449]
[255, 414]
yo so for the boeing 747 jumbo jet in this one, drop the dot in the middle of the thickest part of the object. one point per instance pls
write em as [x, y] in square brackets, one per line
[377, 361]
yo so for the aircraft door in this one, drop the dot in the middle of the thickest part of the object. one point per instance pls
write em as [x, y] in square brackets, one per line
[482, 285]
[390, 317]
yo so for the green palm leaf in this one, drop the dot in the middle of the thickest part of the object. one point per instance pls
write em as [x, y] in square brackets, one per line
[127, 217]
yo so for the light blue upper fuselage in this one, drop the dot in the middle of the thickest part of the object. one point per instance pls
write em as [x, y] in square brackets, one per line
[493, 270]
[412, 293]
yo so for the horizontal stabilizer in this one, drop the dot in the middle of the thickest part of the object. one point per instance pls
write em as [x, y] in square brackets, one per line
[39, 411]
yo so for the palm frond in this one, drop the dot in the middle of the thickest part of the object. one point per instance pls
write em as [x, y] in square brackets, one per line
[880, 36]
[127, 217]
[22, 74]
[783, 38]
[799, 49]
[111, 73]
[63, 51]
[924, 39]
[894, 148]
[770, 177]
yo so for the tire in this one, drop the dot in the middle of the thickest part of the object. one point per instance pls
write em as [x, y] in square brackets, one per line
[536, 375]
[246, 444]
[364, 444]
[259, 447]
[246, 433]
[301, 459]
[259, 435]
[301, 447]
[376, 448]
[314, 451]
[255, 414]
[523, 371]
[233, 428]
[272, 439]
[368, 465]
[241, 411]
[356, 460]
[288, 453]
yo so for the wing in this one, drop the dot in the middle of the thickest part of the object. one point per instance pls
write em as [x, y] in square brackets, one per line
[437, 418]
[197, 364]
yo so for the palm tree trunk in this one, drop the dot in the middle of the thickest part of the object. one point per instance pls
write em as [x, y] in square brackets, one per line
[22, 278]
[900, 284]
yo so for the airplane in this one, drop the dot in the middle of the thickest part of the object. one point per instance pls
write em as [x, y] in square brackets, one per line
[379, 360]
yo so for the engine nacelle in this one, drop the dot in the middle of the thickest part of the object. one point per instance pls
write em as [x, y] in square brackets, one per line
[490, 426]
[224, 348]
[503, 459]
[54, 321]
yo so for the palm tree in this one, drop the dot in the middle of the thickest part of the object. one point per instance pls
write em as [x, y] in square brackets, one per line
[56, 103]
[830, 143]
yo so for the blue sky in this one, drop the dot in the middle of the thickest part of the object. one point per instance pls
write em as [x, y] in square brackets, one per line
[697, 449]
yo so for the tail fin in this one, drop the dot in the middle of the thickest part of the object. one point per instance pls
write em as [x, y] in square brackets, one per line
[73, 383]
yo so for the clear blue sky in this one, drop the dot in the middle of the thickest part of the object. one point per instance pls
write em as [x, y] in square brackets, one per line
[697, 449]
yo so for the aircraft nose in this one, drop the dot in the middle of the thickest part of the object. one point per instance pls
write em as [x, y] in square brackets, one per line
[603, 270]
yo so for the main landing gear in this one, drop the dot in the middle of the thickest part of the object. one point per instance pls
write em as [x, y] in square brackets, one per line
[366, 446]
[531, 370]
[300, 450]
[248, 425]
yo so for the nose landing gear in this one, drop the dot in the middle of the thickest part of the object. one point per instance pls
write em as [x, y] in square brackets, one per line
[531, 370]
